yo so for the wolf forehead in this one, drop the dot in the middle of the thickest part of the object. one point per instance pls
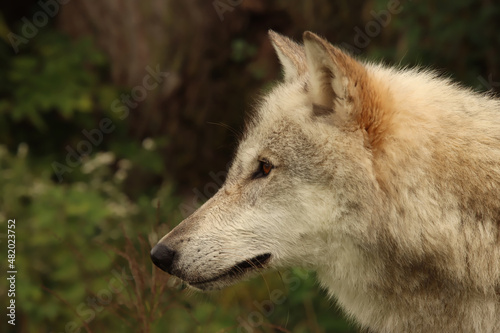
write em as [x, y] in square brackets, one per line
[286, 100]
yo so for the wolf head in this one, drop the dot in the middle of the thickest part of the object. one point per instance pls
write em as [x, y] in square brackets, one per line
[301, 182]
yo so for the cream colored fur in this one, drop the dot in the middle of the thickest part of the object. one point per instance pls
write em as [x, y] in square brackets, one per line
[386, 182]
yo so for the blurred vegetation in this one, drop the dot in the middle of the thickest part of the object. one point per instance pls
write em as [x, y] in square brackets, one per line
[84, 230]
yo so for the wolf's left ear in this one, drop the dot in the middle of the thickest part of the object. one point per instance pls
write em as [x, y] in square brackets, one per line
[335, 77]
[340, 86]
[290, 54]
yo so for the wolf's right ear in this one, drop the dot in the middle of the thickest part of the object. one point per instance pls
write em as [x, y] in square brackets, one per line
[290, 54]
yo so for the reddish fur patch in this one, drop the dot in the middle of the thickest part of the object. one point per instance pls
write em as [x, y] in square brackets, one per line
[370, 103]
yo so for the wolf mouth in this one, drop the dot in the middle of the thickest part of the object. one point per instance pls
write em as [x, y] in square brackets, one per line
[237, 270]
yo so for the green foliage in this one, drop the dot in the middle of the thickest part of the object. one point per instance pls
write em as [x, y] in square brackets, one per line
[52, 75]
[52, 89]
[70, 237]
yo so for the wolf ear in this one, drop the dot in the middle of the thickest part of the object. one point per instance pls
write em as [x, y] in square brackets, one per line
[290, 54]
[334, 76]
[340, 86]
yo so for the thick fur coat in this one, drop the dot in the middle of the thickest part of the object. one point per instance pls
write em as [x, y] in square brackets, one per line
[384, 181]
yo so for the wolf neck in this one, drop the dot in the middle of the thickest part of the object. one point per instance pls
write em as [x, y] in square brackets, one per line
[424, 254]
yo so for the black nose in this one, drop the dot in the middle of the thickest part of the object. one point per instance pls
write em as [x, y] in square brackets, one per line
[163, 257]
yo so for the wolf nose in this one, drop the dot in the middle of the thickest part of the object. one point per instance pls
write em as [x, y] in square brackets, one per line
[163, 257]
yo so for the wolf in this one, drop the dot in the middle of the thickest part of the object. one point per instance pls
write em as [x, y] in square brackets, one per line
[384, 181]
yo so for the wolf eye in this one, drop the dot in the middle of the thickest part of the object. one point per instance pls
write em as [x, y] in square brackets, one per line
[264, 169]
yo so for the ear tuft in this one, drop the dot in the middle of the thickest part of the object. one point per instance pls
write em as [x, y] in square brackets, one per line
[290, 54]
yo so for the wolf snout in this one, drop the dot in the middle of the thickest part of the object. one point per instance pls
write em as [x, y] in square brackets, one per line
[163, 257]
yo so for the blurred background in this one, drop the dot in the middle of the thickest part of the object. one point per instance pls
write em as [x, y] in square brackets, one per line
[119, 118]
